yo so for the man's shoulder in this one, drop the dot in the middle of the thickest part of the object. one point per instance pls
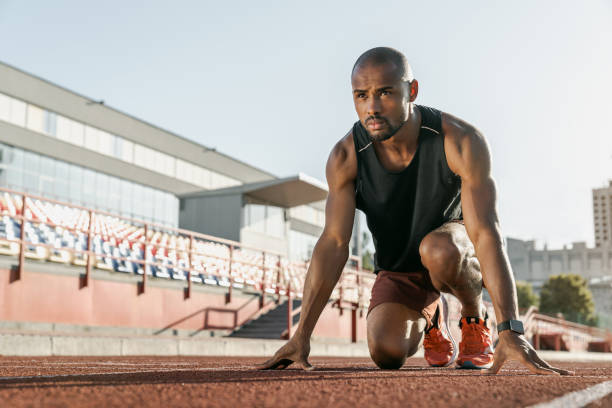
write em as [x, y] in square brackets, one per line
[342, 160]
[456, 127]
[463, 142]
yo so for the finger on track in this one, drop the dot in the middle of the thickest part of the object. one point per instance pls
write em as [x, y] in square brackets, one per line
[546, 365]
[538, 369]
[270, 364]
[306, 365]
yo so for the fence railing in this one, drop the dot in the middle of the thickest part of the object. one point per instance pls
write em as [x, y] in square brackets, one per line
[192, 253]
[579, 336]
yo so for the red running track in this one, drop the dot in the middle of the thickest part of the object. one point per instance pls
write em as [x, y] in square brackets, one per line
[231, 382]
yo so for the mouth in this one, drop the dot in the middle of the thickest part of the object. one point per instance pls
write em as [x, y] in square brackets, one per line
[376, 124]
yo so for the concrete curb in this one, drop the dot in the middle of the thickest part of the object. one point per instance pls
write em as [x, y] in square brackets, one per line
[33, 344]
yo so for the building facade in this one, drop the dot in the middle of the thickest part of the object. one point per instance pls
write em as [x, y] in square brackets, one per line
[594, 264]
[602, 215]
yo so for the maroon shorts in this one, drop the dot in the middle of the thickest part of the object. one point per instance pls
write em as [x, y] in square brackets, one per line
[413, 289]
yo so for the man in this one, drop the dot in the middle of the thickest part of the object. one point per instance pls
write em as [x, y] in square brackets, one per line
[422, 178]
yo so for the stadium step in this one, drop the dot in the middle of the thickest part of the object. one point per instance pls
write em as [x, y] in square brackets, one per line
[269, 326]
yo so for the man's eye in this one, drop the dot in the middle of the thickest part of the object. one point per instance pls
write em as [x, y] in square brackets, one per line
[385, 93]
[361, 95]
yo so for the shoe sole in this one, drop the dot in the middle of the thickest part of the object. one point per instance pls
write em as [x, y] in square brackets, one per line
[448, 332]
[468, 365]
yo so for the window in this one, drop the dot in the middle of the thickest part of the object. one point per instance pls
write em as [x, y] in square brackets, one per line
[75, 183]
[92, 139]
[63, 128]
[18, 112]
[50, 123]
[5, 107]
[105, 143]
[36, 119]
[77, 133]
[127, 151]
[31, 171]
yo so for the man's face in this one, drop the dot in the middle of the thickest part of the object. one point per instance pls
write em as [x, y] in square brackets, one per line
[381, 99]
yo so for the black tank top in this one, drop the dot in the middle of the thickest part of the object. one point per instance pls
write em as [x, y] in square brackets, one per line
[402, 207]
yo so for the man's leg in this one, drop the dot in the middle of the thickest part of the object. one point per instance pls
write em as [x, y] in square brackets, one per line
[394, 333]
[448, 255]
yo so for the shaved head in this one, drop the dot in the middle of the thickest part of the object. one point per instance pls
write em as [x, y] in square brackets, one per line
[382, 56]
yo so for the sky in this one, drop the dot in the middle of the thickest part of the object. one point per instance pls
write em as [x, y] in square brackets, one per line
[268, 82]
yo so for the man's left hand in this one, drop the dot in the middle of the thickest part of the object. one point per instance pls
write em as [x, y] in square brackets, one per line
[514, 346]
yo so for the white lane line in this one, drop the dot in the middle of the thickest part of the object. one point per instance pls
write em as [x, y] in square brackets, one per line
[578, 398]
[50, 377]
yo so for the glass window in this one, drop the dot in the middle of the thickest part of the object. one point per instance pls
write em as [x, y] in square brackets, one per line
[257, 217]
[102, 194]
[18, 112]
[91, 138]
[50, 123]
[77, 133]
[5, 153]
[139, 155]
[117, 147]
[114, 197]
[106, 142]
[15, 170]
[31, 170]
[5, 107]
[148, 203]
[170, 166]
[64, 128]
[138, 200]
[89, 188]
[36, 119]
[151, 157]
[126, 198]
[127, 151]
[46, 177]
[159, 206]
[75, 184]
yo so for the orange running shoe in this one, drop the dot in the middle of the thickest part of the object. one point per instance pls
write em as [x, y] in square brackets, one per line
[476, 346]
[440, 347]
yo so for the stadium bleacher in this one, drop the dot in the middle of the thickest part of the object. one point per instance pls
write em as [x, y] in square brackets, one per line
[56, 232]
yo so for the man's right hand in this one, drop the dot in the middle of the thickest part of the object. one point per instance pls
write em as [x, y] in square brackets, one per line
[296, 350]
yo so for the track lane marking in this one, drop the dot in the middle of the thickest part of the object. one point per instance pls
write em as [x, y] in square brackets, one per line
[578, 398]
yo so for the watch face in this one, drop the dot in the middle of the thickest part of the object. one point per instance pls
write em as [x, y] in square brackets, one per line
[517, 326]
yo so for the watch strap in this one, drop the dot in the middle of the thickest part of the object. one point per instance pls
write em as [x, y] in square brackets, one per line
[513, 325]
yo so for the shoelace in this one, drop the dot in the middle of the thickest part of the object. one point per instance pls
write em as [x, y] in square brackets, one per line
[474, 339]
[434, 339]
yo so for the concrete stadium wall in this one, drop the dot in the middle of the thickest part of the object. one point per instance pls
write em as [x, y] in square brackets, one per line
[50, 293]
[44, 297]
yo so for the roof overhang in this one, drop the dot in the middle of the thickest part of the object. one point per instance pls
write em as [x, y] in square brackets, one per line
[285, 192]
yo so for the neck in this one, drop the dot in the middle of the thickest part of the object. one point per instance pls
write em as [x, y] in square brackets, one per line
[407, 135]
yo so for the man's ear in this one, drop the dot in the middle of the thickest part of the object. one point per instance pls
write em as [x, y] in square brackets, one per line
[413, 89]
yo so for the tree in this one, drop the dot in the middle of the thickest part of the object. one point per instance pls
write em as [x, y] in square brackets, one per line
[526, 297]
[367, 258]
[569, 295]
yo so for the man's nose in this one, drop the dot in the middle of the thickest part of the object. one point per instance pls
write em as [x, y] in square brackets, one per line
[373, 107]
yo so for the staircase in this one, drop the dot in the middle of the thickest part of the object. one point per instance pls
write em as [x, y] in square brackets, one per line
[269, 326]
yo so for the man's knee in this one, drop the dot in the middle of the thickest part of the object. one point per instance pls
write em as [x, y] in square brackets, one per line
[387, 355]
[441, 256]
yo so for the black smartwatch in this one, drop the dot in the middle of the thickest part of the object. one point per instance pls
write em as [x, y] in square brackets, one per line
[514, 325]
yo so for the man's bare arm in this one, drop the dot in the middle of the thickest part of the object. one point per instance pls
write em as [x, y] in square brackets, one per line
[468, 156]
[329, 255]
